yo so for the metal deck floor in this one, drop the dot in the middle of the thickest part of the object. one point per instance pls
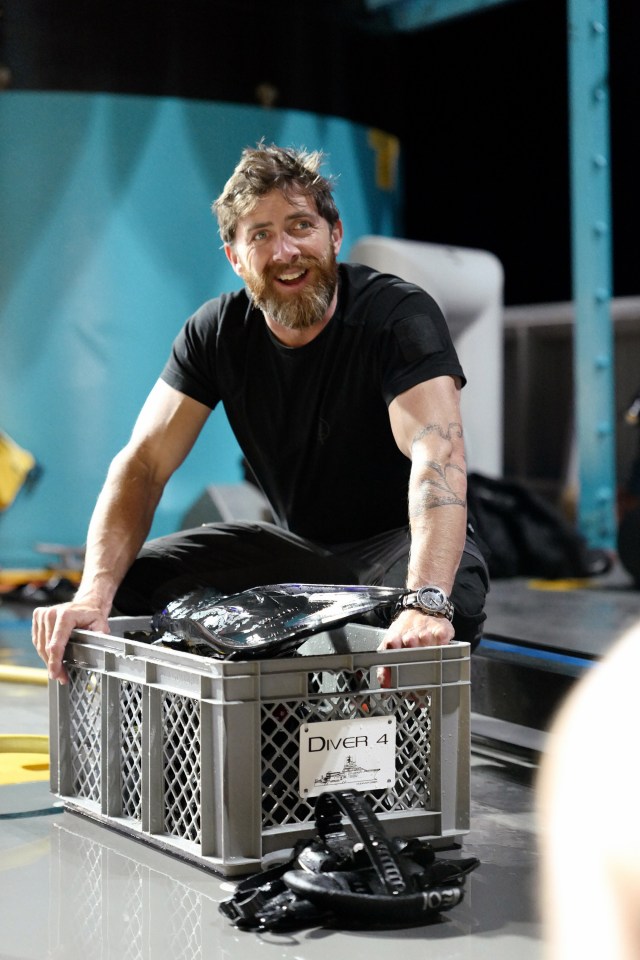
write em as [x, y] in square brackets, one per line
[71, 888]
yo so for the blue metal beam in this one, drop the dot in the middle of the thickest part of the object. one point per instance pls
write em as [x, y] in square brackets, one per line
[414, 14]
[591, 264]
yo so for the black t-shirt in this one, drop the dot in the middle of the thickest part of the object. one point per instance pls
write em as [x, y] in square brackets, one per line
[312, 421]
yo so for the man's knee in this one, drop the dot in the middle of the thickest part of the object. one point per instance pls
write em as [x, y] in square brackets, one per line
[469, 595]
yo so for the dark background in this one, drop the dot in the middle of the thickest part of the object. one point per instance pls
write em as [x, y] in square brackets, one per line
[479, 103]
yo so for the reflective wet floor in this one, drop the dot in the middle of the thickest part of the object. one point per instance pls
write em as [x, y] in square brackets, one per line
[71, 888]
[74, 889]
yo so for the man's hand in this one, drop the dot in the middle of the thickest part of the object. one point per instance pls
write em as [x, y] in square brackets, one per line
[52, 626]
[413, 628]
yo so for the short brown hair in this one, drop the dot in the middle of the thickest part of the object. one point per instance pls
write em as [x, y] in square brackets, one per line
[265, 168]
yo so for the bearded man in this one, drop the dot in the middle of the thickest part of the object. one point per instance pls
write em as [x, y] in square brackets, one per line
[342, 387]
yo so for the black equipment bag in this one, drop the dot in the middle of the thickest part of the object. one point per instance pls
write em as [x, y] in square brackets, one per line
[266, 621]
[523, 535]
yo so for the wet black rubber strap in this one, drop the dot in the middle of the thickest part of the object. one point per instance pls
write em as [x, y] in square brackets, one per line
[329, 810]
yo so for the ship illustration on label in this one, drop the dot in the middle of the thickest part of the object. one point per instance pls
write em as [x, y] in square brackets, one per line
[351, 772]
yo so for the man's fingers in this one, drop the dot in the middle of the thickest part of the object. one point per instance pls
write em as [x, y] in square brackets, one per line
[413, 630]
[39, 631]
[55, 650]
[52, 627]
[43, 634]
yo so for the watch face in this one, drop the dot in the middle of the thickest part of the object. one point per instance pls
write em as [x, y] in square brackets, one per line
[431, 598]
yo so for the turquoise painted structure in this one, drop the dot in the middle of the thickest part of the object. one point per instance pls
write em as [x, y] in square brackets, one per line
[591, 232]
[108, 244]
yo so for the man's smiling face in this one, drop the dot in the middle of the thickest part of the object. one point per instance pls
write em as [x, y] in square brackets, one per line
[286, 254]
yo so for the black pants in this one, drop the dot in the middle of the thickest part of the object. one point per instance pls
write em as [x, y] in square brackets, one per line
[236, 556]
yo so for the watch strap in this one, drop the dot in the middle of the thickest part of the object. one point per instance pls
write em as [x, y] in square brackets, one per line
[411, 600]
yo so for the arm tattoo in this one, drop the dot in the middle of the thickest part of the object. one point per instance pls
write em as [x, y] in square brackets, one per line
[454, 429]
[436, 490]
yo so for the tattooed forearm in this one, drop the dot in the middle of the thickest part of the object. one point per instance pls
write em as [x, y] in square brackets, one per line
[440, 478]
[436, 490]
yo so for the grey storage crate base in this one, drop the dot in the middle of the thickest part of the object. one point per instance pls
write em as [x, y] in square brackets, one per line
[200, 757]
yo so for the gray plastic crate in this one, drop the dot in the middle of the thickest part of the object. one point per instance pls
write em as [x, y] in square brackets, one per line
[201, 757]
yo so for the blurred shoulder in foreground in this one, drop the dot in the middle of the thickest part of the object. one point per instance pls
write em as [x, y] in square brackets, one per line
[588, 808]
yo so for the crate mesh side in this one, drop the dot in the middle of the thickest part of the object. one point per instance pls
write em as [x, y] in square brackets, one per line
[131, 749]
[85, 694]
[181, 766]
[344, 695]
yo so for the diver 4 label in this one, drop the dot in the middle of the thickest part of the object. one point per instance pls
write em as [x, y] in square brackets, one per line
[347, 754]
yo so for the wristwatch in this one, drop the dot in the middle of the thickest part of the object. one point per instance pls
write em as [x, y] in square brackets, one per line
[431, 600]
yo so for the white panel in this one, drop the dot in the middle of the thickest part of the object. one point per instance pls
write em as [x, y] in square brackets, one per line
[468, 286]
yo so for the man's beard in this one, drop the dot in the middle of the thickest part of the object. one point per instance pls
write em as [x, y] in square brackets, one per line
[306, 308]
